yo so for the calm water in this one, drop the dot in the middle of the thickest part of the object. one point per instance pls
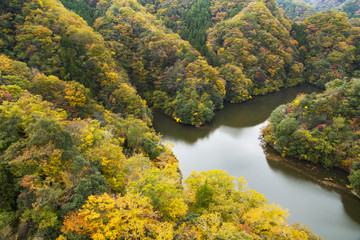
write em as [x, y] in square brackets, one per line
[231, 142]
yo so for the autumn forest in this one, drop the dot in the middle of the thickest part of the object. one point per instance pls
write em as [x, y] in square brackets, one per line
[80, 80]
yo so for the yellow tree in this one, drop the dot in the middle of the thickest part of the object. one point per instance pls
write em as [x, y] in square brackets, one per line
[105, 217]
[164, 190]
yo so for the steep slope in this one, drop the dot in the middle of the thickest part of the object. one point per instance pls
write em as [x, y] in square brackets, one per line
[262, 57]
[296, 10]
[168, 72]
[192, 18]
[105, 176]
[51, 162]
[351, 7]
[78, 159]
[164, 68]
[258, 42]
[331, 43]
[83, 8]
[324, 5]
[53, 40]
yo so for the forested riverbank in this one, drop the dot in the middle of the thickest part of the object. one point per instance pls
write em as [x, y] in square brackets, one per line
[79, 157]
[232, 141]
[321, 128]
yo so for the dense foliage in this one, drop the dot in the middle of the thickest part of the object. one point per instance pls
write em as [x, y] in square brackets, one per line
[83, 8]
[53, 40]
[296, 10]
[247, 49]
[351, 7]
[192, 18]
[78, 158]
[168, 72]
[323, 128]
[325, 4]
[69, 169]
[329, 47]
[257, 41]
[51, 161]
[331, 44]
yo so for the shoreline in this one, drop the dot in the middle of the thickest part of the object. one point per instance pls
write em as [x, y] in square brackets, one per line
[308, 169]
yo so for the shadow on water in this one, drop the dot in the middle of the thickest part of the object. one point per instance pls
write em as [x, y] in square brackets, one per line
[230, 142]
[352, 207]
[247, 114]
[330, 179]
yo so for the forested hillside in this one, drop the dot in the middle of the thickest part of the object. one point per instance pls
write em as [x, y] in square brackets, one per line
[351, 7]
[167, 71]
[247, 48]
[71, 169]
[323, 128]
[78, 156]
[192, 18]
[53, 40]
[296, 10]
[257, 42]
[324, 4]
[330, 46]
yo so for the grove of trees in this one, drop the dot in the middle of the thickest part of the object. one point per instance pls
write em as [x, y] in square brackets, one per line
[79, 158]
[323, 128]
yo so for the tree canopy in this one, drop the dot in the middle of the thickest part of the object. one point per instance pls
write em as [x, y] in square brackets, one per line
[321, 128]
[78, 156]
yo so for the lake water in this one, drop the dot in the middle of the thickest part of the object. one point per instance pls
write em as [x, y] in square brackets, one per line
[314, 196]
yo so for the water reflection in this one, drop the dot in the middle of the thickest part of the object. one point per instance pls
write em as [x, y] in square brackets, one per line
[178, 132]
[352, 207]
[250, 113]
[334, 179]
[329, 179]
[257, 110]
